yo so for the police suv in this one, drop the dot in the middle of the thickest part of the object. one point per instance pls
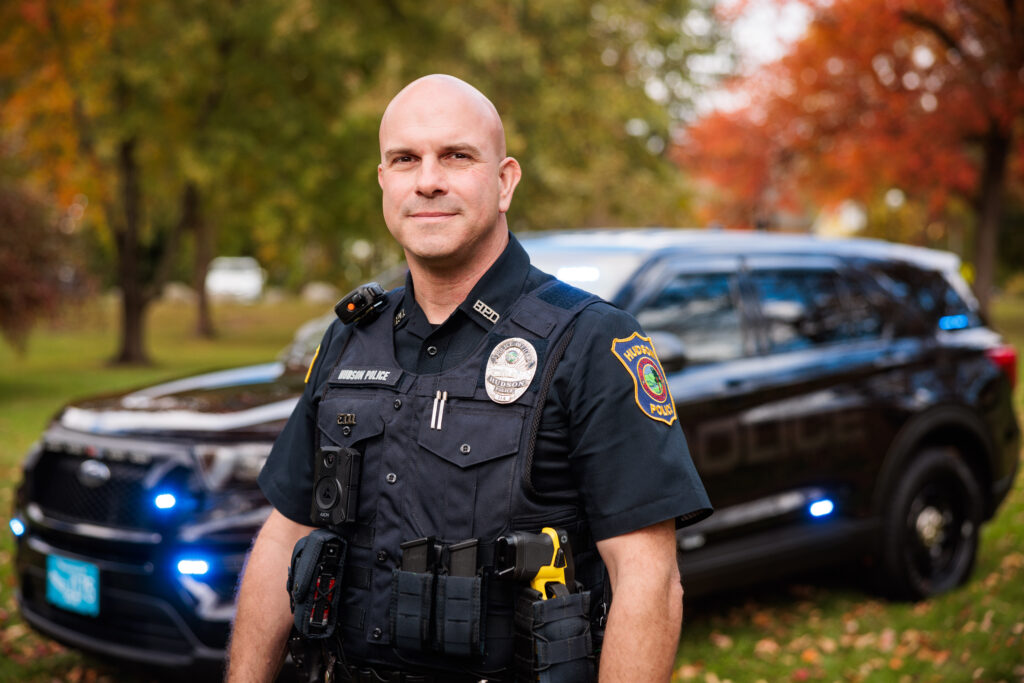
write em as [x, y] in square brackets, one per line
[841, 399]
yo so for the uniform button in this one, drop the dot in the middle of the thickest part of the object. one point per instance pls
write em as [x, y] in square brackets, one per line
[398, 403]
[431, 350]
[382, 555]
[346, 430]
[391, 478]
[377, 633]
[464, 449]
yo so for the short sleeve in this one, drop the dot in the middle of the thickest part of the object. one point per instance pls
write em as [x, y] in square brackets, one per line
[628, 454]
[287, 477]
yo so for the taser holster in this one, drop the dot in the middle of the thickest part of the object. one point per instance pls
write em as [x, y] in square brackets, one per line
[553, 639]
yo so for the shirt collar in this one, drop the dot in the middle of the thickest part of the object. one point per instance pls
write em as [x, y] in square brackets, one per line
[494, 293]
[490, 299]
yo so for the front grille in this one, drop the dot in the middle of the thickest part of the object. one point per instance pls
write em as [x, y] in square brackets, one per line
[120, 502]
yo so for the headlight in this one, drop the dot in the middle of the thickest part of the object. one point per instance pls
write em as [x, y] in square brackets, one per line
[238, 463]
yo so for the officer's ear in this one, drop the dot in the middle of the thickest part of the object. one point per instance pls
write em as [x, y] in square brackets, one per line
[509, 174]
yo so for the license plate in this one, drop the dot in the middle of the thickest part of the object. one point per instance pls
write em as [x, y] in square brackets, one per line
[73, 585]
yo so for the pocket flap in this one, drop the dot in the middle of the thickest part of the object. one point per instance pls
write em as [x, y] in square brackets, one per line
[346, 420]
[470, 436]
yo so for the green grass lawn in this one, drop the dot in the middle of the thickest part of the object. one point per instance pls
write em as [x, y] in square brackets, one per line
[822, 629]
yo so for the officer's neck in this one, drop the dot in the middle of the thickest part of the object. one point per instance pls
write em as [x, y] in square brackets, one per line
[440, 288]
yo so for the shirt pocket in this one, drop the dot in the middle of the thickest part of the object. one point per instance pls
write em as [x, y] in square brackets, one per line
[471, 436]
[345, 421]
[469, 466]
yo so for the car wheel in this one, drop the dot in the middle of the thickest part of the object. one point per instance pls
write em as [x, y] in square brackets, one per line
[930, 535]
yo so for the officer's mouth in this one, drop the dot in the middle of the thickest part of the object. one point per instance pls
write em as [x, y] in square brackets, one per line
[432, 216]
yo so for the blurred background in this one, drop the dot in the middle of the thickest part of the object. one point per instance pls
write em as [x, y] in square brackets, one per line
[140, 140]
[183, 183]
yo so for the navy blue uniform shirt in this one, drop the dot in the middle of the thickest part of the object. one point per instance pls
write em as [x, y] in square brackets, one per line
[595, 444]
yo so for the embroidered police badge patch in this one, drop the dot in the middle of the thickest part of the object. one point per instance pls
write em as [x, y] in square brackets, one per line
[510, 369]
[650, 388]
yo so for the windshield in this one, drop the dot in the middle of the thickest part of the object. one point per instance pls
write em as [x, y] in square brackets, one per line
[598, 270]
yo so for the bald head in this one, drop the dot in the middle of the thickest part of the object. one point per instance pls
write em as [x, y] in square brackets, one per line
[445, 178]
[438, 98]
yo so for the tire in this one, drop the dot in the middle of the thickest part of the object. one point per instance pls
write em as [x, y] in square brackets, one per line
[930, 527]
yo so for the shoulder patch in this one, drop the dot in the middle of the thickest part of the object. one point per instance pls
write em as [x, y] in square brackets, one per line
[650, 388]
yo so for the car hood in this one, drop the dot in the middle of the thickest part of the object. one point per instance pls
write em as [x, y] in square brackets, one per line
[255, 398]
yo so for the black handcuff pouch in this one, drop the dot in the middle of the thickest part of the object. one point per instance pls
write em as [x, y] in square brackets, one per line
[314, 582]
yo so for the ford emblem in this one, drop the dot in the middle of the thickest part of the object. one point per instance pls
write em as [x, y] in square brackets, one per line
[93, 473]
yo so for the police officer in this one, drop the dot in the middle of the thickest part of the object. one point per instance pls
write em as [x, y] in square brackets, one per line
[484, 398]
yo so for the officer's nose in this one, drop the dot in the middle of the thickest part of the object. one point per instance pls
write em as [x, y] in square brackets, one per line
[431, 180]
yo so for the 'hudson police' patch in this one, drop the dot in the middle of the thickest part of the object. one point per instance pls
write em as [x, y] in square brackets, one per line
[637, 354]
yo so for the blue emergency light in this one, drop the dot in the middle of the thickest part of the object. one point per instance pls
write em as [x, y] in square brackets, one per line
[165, 501]
[17, 526]
[821, 508]
[193, 566]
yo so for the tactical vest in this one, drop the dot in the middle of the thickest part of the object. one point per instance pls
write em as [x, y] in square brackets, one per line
[440, 458]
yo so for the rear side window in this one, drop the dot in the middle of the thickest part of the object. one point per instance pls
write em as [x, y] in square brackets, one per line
[804, 308]
[929, 292]
[701, 310]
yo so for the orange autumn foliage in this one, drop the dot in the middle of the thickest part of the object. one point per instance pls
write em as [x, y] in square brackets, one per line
[877, 94]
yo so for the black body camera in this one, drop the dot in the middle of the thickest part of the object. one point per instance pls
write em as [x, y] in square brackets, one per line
[363, 302]
[336, 491]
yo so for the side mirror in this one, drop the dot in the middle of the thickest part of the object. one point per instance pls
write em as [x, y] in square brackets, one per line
[670, 349]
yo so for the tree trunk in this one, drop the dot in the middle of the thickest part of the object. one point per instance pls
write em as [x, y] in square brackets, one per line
[195, 220]
[133, 329]
[129, 258]
[990, 212]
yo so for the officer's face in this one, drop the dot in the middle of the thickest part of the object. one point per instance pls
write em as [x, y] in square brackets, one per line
[444, 175]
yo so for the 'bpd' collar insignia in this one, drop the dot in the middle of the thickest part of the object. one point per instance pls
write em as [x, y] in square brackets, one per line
[510, 369]
[637, 354]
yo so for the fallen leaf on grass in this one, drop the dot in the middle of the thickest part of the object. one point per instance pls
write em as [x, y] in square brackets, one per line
[14, 632]
[936, 657]
[721, 641]
[922, 608]
[864, 641]
[827, 645]
[1012, 561]
[887, 640]
[986, 622]
[766, 647]
[688, 672]
[895, 663]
